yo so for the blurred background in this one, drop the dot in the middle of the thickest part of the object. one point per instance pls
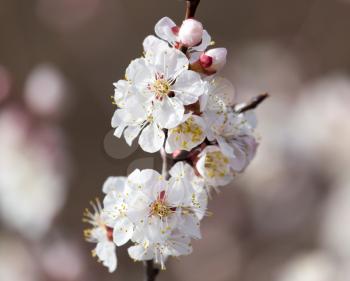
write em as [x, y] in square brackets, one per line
[287, 218]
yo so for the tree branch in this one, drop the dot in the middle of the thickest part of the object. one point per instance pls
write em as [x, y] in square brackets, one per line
[151, 272]
[191, 7]
[253, 103]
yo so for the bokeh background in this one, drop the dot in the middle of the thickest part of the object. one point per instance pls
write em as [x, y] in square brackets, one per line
[287, 218]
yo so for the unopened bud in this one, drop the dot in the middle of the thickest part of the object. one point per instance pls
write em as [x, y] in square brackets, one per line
[191, 32]
[214, 59]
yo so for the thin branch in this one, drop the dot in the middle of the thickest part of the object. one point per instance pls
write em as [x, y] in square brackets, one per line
[151, 272]
[253, 103]
[164, 163]
[191, 7]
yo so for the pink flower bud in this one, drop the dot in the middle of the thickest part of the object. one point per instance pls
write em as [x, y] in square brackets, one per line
[214, 59]
[191, 32]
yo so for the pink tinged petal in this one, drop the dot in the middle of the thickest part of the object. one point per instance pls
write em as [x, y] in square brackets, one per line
[151, 138]
[239, 162]
[123, 231]
[206, 40]
[169, 112]
[216, 59]
[225, 148]
[205, 60]
[105, 251]
[191, 32]
[188, 87]
[140, 252]
[165, 28]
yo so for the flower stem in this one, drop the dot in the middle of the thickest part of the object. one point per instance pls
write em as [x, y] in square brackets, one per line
[151, 272]
[191, 7]
[253, 103]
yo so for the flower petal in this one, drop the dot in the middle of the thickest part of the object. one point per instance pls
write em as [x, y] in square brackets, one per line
[140, 252]
[151, 43]
[164, 29]
[206, 40]
[169, 112]
[169, 62]
[123, 231]
[105, 251]
[188, 87]
[131, 133]
[151, 138]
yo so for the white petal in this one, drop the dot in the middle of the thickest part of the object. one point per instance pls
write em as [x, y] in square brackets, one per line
[206, 39]
[169, 112]
[139, 74]
[163, 29]
[105, 251]
[120, 92]
[188, 87]
[169, 62]
[151, 138]
[222, 89]
[123, 231]
[225, 147]
[152, 43]
[190, 226]
[131, 133]
[140, 253]
[116, 184]
[187, 135]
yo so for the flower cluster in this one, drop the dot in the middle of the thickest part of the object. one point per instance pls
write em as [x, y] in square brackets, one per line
[172, 100]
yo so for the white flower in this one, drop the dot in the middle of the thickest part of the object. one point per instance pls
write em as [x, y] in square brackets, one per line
[215, 167]
[187, 135]
[102, 235]
[176, 245]
[115, 208]
[158, 207]
[159, 216]
[213, 60]
[191, 32]
[167, 30]
[219, 95]
[160, 85]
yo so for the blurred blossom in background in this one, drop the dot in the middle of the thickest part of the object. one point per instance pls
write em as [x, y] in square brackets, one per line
[285, 219]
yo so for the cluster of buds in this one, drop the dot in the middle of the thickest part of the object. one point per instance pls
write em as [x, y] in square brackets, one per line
[172, 100]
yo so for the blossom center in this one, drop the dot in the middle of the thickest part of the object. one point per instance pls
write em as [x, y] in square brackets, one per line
[216, 164]
[161, 88]
[190, 129]
[159, 208]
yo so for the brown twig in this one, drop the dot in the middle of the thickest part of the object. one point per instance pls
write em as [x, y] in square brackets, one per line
[151, 272]
[191, 7]
[253, 103]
